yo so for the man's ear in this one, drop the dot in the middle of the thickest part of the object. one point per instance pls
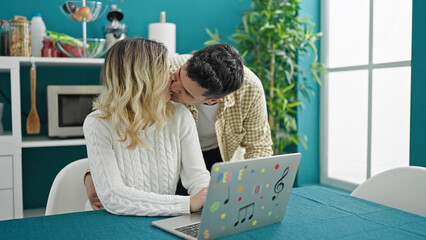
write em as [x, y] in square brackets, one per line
[214, 101]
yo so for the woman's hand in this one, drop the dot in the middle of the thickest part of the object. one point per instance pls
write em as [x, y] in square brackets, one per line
[198, 200]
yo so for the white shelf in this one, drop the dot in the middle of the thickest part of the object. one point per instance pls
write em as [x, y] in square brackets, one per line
[6, 134]
[42, 141]
[47, 61]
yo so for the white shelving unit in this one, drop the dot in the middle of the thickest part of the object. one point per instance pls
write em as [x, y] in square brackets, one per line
[12, 142]
[42, 141]
[42, 61]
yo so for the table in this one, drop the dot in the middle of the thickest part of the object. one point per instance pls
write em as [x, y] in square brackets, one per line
[314, 212]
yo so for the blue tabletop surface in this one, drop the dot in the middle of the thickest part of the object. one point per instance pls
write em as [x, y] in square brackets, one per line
[314, 212]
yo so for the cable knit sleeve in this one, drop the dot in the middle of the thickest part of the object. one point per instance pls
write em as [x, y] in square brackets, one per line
[116, 197]
[194, 174]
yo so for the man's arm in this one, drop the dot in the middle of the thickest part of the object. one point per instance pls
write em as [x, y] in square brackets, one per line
[91, 192]
[257, 140]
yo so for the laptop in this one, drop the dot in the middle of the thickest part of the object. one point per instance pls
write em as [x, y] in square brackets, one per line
[242, 195]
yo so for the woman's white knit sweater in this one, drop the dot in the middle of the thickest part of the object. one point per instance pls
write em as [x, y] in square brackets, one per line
[143, 181]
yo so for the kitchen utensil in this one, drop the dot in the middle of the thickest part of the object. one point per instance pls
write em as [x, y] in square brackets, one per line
[33, 121]
[114, 31]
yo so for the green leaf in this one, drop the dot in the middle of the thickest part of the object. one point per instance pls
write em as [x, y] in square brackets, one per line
[295, 104]
[214, 37]
[272, 37]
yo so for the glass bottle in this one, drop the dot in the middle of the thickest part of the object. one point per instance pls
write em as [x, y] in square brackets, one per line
[5, 41]
[46, 51]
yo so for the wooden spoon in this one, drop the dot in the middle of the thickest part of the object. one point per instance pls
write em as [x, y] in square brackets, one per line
[33, 121]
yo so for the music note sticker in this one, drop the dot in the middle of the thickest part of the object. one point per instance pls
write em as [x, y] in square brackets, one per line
[243, 212]
[279, 186]
[227, 200]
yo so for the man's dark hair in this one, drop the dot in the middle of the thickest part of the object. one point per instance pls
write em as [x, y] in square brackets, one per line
[219, 68]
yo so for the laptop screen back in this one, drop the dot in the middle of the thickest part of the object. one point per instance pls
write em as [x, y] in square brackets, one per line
[247, 194]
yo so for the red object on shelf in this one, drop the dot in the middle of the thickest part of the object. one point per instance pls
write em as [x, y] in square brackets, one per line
[74, 51]
[55, 50]
[50, 48]
[46, 51]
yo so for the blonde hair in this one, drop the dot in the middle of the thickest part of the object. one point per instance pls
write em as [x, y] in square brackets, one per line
[135, 74]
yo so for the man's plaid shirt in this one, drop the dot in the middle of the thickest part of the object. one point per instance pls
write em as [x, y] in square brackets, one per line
[242, 127]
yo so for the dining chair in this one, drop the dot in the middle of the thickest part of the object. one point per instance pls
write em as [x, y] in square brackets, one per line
[403, 188]
[68, 193]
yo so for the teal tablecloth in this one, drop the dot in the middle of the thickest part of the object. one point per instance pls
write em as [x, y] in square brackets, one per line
[313, 213]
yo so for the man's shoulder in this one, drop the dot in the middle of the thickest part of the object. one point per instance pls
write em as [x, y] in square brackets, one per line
[251, 84]
[178, 60]
[251, 89]
[251, 79]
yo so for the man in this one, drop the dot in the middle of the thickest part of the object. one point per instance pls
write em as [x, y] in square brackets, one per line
[227, 102]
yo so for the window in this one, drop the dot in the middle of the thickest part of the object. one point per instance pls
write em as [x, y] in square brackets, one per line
[365, 99]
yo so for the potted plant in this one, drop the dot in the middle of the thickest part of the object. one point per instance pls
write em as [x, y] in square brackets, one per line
[271, 38]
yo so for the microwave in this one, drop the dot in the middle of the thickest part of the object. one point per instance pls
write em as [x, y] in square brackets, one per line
[68, 106]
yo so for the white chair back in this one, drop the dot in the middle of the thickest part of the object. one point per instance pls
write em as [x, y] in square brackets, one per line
[68, 193]
[403, 188]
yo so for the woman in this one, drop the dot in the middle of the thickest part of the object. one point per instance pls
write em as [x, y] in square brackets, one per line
[138, 142]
